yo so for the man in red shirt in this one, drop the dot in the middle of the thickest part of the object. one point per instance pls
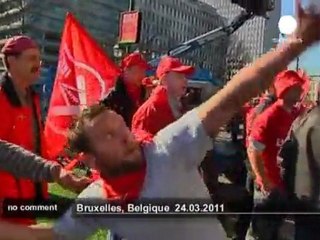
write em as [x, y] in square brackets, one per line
[264, 101]
[129, 93]
[268, 133]
[164, 105]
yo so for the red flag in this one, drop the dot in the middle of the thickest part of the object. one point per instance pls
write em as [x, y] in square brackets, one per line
[84, 75]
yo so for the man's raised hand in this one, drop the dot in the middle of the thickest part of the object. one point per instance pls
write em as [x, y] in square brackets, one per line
[308, 29]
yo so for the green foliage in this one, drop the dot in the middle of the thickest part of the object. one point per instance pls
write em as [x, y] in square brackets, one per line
[56, 192]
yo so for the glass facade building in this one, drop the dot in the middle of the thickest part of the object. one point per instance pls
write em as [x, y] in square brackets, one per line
[43, 20]
[167, 23]
[254, 38]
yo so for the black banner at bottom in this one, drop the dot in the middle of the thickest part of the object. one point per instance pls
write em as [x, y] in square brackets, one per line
[12, 208]
[52, 209]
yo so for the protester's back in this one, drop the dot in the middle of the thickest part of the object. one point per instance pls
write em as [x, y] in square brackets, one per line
[303, 154]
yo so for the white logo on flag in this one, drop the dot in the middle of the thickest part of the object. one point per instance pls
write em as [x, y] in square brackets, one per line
[75, 98]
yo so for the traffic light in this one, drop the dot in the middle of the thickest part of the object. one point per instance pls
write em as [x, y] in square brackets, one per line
[258, 7]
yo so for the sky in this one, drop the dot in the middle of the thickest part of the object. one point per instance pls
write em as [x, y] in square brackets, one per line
[309, 60]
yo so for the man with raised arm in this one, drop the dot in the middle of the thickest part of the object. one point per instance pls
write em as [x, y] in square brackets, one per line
[167, 166]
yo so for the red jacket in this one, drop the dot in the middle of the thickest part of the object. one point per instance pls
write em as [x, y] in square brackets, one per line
[155, 114]
[17, 127]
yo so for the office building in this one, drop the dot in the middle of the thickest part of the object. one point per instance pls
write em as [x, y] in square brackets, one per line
[271, 29]
[43, 20]
[166, 23]
[254, 38]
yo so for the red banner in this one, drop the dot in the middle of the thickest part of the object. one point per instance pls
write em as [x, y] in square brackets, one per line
[130, 23]
[84, 76]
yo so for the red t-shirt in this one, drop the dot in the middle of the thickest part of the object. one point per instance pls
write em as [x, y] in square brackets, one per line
[271, 129]
[134, 93]
[251, 115]
[154, 115]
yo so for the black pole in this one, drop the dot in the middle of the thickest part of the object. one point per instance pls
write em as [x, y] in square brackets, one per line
[297, 63]
[131, 5]
[131, 8]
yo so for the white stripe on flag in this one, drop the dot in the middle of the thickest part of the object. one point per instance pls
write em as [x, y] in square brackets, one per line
[66, 110]
[81, 85]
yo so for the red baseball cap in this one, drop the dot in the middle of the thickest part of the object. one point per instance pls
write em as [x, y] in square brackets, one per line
[134, 59]
[148, 82]
[18, 44]
[170, 64]
[286, 80]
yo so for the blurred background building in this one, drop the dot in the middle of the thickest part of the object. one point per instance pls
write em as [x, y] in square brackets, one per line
[43, 20]
[166, 23]
[254, 38]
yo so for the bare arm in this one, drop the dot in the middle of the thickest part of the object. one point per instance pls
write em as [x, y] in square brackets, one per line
[42, 232]
[194, 128]
[11, 231]
[259, 76]
[256, 162]
[220, 108]
[250, 81]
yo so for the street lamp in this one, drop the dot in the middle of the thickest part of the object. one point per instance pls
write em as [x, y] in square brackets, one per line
[117, 51]
[287, 25]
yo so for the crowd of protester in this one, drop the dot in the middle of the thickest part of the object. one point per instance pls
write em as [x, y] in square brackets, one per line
[155, 147]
